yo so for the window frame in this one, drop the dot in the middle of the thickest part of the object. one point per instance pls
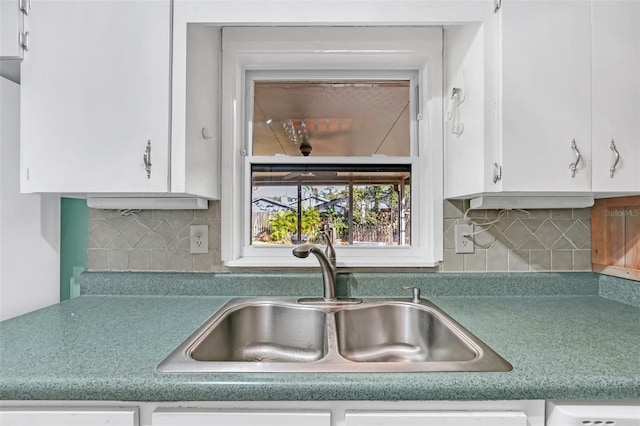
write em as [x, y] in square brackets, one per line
[318, 53]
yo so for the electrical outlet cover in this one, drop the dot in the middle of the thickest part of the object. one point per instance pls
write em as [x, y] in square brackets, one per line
[199, 239]
[463, 238]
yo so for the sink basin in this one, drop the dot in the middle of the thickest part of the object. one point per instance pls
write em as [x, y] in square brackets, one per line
[399, 333]
[264, 333]
[287, 335]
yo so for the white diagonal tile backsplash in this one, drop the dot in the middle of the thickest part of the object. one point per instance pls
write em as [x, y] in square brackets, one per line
[152, 240]
[157, 240]
[537, 240]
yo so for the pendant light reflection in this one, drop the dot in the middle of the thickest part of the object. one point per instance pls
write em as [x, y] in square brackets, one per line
[296, 136]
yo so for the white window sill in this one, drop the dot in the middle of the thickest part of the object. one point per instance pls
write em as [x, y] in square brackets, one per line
[345, 262]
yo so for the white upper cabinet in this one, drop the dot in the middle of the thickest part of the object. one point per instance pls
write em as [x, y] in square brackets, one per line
[616, 97]
[195, 110]
[568, 85]
[123, 97]
[95, 97]
[97, 111]
[524, 111]
[13, 34]
[545, 101]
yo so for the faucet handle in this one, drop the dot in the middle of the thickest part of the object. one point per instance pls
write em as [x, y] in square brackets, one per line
[415, 293]
[327, 234]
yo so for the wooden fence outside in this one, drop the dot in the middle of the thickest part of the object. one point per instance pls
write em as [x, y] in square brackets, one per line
[362, 234]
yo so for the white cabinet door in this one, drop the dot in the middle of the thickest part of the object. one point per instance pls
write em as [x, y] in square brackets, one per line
[95, 91]
[169, 417]
[436, 418]
[545, 95]
[11, 27]
[616, 96]
[68, 417]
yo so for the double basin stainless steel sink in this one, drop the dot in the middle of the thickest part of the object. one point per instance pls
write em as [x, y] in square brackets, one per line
[371, 335]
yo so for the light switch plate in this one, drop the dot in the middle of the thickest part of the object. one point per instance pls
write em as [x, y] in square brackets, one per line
[463, 238]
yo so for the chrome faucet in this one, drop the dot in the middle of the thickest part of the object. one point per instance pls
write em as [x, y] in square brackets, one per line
[327, 260]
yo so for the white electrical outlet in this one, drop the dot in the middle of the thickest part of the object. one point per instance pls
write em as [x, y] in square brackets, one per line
[463, 238]
[199, 238]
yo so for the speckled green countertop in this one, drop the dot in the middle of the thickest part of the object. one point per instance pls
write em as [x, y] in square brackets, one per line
[106, 347]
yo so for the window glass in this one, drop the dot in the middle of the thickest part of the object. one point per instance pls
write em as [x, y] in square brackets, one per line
[331, 118]
[367, 205]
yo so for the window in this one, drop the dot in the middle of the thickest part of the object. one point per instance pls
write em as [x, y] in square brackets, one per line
[366, 205]
[332, 125]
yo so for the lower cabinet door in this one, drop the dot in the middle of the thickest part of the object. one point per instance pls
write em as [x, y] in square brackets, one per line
[172, 417]
[68, 417]
[436, 418]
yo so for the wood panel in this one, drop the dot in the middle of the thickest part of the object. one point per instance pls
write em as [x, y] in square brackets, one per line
[597, 237]
[632, 238]
[614, 250]
[615, 230]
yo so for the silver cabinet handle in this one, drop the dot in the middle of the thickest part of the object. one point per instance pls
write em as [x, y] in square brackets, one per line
[612, 147]
[147, 159]
[574, 166]
[23, 40]
[497, 172]
[25, 6]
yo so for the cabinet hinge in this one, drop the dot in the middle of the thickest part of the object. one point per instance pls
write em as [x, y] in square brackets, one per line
[497, 4]
[23, 40]
[25, 6]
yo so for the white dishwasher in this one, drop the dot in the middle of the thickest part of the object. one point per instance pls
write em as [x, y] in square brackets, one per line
[593, 413]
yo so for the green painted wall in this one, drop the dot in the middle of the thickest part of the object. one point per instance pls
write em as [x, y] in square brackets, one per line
[74, 238]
